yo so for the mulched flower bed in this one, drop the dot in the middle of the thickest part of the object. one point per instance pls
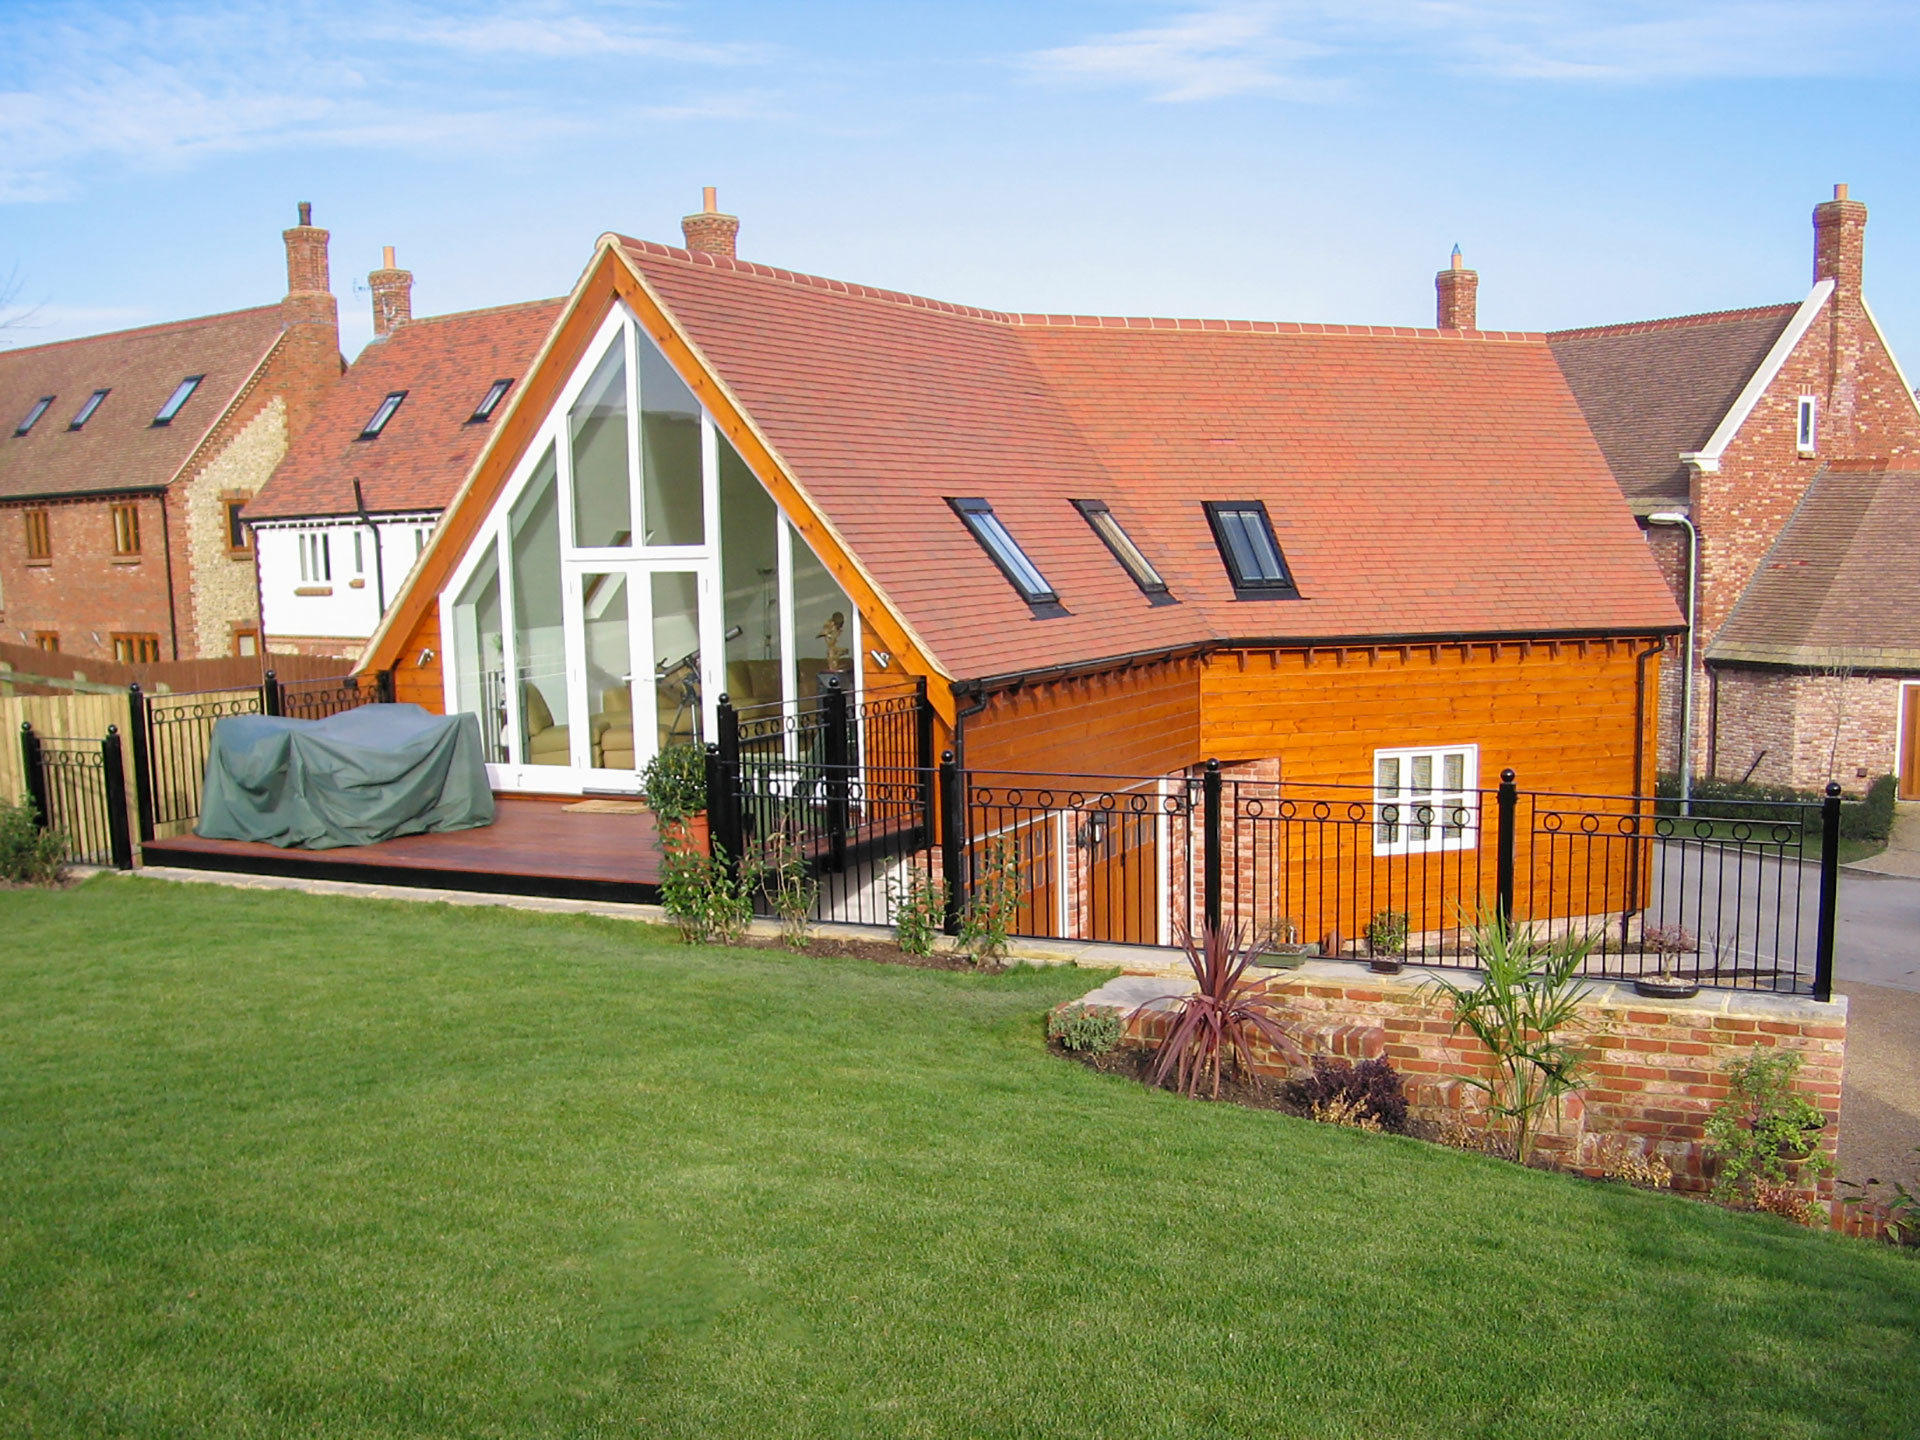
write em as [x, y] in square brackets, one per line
[880, 952]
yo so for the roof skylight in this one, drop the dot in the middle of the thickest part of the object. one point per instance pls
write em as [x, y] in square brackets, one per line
[490, 402]
[87, 407]
[1245, 536]
[1024, 575]
[382, 415]
[39, 409]
[1121, 544]
[181, 394]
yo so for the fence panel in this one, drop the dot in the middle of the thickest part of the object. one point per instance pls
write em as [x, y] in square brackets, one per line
[178, 735]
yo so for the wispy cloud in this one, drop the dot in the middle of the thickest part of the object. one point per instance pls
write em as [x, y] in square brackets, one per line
[1317, 49]
[150, 89]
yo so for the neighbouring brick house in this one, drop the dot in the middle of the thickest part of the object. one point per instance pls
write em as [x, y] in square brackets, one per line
[1821, 655]
[1727, 419]
[352, 505]
[130, 457]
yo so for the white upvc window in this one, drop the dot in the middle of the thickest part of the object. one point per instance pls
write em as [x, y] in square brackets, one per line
[1803, 434]
[316, 558]
[1426, 800]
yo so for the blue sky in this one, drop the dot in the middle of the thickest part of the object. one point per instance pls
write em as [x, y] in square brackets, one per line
[1299, 159]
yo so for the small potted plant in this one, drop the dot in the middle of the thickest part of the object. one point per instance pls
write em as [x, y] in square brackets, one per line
[1669, 942]
[675, 783]
[1387, 941]
[1281, 948]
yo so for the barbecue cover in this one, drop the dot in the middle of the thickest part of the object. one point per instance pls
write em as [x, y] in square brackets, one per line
[363, 775]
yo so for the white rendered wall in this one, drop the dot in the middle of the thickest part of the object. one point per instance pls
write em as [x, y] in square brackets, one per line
[346, 606]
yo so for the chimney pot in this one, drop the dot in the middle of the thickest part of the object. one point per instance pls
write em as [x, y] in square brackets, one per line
[710, 232]
[1840, 192]
[386, 257]
[306, 212]
[1456, 291]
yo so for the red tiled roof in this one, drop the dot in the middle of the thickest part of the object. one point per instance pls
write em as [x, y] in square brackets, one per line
[1653, 390]
[445, 363]
[120, 448]
[1840, 587]
[1420, 482]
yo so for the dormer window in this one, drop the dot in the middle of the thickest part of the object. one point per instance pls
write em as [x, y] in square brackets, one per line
[1021, 572]
[382, 416]
[1245, 536]
[87, 407]
[490, 402]
[39, 409]
[182, 393]
[1804, 426]
[1121, 544]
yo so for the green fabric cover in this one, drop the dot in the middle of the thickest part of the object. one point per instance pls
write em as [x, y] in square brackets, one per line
[352, 779]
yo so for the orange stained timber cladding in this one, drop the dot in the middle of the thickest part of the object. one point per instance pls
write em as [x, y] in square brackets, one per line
[1562, 715]
[415, 682]
[1142, 721]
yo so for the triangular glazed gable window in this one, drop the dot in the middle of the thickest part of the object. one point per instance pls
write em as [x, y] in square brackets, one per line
[1245, 536]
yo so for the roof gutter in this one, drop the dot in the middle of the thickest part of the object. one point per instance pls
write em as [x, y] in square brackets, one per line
[105, 494]
[1054, 674]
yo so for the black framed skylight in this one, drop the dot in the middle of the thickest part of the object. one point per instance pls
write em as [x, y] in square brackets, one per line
[382, 416]
[1000, 546]
[39, 409]
[87, 407]
[490, 402]
[1110, 531]
[1245, 536]
[182, 393]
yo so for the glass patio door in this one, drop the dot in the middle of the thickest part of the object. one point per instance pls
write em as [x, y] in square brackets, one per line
[637, 666]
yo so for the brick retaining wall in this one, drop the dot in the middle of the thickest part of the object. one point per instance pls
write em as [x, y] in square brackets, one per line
[1655, 1067]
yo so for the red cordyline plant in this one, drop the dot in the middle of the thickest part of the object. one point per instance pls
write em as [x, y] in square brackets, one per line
[1217, 1024]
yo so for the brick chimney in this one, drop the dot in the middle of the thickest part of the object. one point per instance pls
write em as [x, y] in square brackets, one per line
[309, 357]
[392, 294]
[1455, 289]
[710, 232]
[1839, 244]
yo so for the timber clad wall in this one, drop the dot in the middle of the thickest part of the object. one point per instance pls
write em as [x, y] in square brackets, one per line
[1561, 714]
[414, 683]
[1144, 721]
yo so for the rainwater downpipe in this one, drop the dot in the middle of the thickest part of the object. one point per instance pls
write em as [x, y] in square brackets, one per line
[379, 564]
[1674, 517]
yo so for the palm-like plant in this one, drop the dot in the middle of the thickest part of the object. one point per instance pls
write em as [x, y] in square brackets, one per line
[1530, 992]
[1219, 1022]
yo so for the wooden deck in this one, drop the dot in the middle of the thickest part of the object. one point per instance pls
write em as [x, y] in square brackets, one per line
[533, 847]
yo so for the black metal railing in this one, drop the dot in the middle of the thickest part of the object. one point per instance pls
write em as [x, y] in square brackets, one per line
[1722, 900]
[173, 733]
[78, 788]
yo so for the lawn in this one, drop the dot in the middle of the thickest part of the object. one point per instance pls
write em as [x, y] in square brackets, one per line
[281, 1165]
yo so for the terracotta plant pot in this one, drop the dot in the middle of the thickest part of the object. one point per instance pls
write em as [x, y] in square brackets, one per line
[691, 832]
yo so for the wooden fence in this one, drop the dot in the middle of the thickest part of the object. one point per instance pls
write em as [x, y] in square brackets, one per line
[71, 717]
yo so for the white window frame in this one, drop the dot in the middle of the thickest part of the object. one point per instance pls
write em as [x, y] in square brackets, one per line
[1401, 834]
[1806, 423]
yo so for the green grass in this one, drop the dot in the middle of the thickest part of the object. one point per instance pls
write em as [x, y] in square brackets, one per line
[278, 1165]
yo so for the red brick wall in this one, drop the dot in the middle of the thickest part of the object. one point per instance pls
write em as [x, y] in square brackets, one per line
[1656, 1067]
[87, 590]
[1793, 717]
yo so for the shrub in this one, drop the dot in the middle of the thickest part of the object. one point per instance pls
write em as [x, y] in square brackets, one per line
[790, 886]
[675, 782]
[1764, 1134]
[700, 897]
[993, 907]
[1618, 1160]
[1372, 1089]
[1669, 942]
[1217, 1025]
[1093, 1032]
[28, 854]
[919, 911]
[1529, 993]
[1387, 933]
[1868, 819]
